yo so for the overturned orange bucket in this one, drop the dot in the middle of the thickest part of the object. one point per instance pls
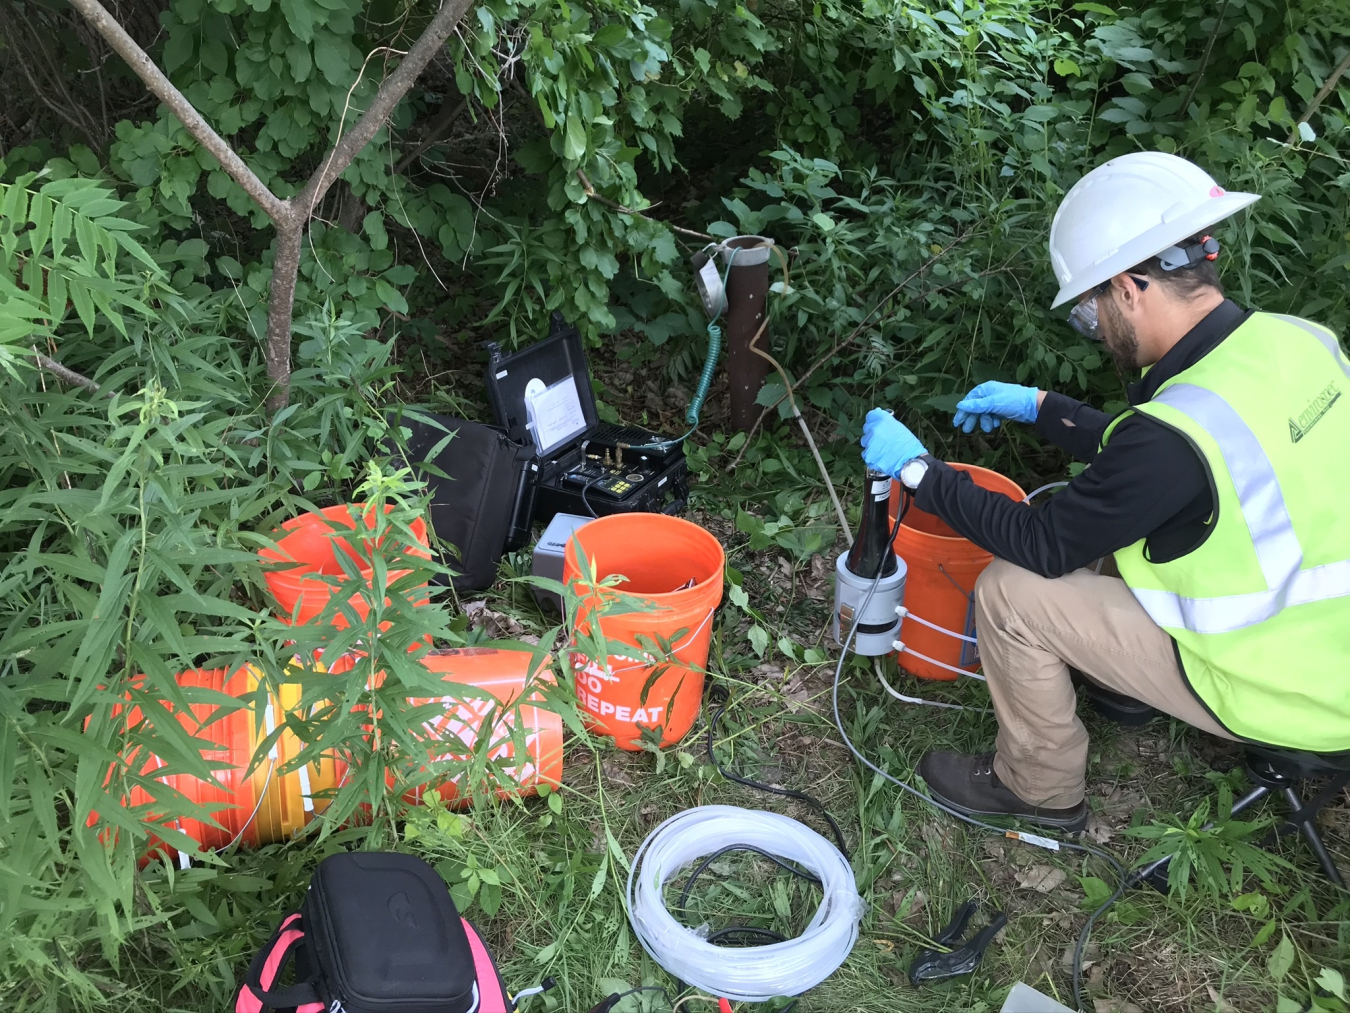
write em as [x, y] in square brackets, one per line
[261, 808]
[940, 586]
[312, 542]
[512, 679]
[673, 574]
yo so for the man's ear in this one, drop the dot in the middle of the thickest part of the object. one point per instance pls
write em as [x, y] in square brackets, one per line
[1126, 292]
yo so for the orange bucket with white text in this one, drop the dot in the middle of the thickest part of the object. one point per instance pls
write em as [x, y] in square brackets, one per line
[657, 623]
[940, 585]
[511, 678]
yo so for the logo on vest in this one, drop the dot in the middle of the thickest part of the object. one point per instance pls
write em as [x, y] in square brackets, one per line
[1310, 416]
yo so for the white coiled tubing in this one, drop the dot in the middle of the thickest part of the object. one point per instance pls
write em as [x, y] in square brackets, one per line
[743, 973]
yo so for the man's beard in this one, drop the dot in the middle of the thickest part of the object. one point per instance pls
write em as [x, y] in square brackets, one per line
[1118, 335]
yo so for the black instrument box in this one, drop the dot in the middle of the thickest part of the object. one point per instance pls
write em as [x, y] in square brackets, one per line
[585, 466]
[482, 491]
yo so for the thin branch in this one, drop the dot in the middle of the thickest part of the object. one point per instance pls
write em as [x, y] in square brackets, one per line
[591, 192]
[144, 68]
[1322, 93]
[65, 373]
[1204, 60]
[391, 92]
[444, 120]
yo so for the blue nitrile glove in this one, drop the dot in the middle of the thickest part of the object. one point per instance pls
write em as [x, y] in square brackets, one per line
[887, 443]
[991, 401]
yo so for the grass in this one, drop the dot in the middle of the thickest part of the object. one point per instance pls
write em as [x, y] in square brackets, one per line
[556, 909]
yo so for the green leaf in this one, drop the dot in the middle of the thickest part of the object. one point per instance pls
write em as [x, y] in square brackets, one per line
[771, 393]
[610, 35]
[601, 874]
[759, 639]
[574, 138]
[1333, 981]
[823, 220]
[1137, 84]
[1067, 68]
[299, 17]
[330, 57]
[1095, 9]
[373, 226]
[178, 49]
[1265, 932]
[1281, 958]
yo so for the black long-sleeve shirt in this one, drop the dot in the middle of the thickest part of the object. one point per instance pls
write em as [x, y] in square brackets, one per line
[1147, 482]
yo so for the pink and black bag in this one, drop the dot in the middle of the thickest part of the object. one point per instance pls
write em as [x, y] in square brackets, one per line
[376, 933]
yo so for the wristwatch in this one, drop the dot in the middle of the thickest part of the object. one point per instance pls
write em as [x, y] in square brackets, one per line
[913, 472]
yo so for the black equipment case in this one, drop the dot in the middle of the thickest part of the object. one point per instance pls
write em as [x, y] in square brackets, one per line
[598, 468]
[377, 933]
[482, 491]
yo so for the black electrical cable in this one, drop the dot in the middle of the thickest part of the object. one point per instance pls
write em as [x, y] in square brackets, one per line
[1126, 880]
[613, 999]
[796, 870]
[587, 503]
[800, 796]
[745, 930]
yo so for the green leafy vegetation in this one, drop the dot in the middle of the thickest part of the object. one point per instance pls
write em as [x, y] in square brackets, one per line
[570, 157]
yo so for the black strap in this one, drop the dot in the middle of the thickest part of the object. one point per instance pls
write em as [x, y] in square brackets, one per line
[1206, 249]
[293, 995]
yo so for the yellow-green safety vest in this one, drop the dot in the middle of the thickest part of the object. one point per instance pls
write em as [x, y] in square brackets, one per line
[1260, 609]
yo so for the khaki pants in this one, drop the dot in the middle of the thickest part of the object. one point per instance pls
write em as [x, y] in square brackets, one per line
[1031, 630]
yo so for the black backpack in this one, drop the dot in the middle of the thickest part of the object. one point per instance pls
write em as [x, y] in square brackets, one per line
[377, 933]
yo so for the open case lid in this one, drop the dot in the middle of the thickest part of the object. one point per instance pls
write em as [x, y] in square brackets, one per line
[529, 390]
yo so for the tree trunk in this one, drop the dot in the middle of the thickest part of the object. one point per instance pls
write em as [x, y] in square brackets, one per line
[280, 303]
[289, 216]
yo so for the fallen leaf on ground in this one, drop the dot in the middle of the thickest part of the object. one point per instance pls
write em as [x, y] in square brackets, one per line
[764, 672]
[615, 771]
[1221, 1005]
[1099, 830]
[1114, 1006]
[498, 625]
[1090, 956]
[1041, 878]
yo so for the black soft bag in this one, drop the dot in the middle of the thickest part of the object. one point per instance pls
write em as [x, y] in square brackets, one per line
[377, 933]
[482, 492]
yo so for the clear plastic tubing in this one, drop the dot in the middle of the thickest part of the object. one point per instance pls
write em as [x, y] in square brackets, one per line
[742, 973]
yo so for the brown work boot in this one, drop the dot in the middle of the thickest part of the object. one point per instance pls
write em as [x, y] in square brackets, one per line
[969, 785]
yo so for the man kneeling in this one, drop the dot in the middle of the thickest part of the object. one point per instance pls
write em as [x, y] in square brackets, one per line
[1221, 491]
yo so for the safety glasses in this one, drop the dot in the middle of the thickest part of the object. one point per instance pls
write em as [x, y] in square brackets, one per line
[1083, 317]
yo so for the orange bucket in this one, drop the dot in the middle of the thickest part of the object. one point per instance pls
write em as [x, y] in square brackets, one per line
[311, 541]
[940, 586]
[657, 555]
[260, 809]
[504, 674]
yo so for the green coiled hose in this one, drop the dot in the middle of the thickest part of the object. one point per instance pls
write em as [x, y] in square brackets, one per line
[710, 362]
[706, 379]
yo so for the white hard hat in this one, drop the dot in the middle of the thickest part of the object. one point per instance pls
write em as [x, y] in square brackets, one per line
[1130, 209]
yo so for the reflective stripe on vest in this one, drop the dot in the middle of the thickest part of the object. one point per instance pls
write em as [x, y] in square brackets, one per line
[1321, 334]
[1263, 510]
